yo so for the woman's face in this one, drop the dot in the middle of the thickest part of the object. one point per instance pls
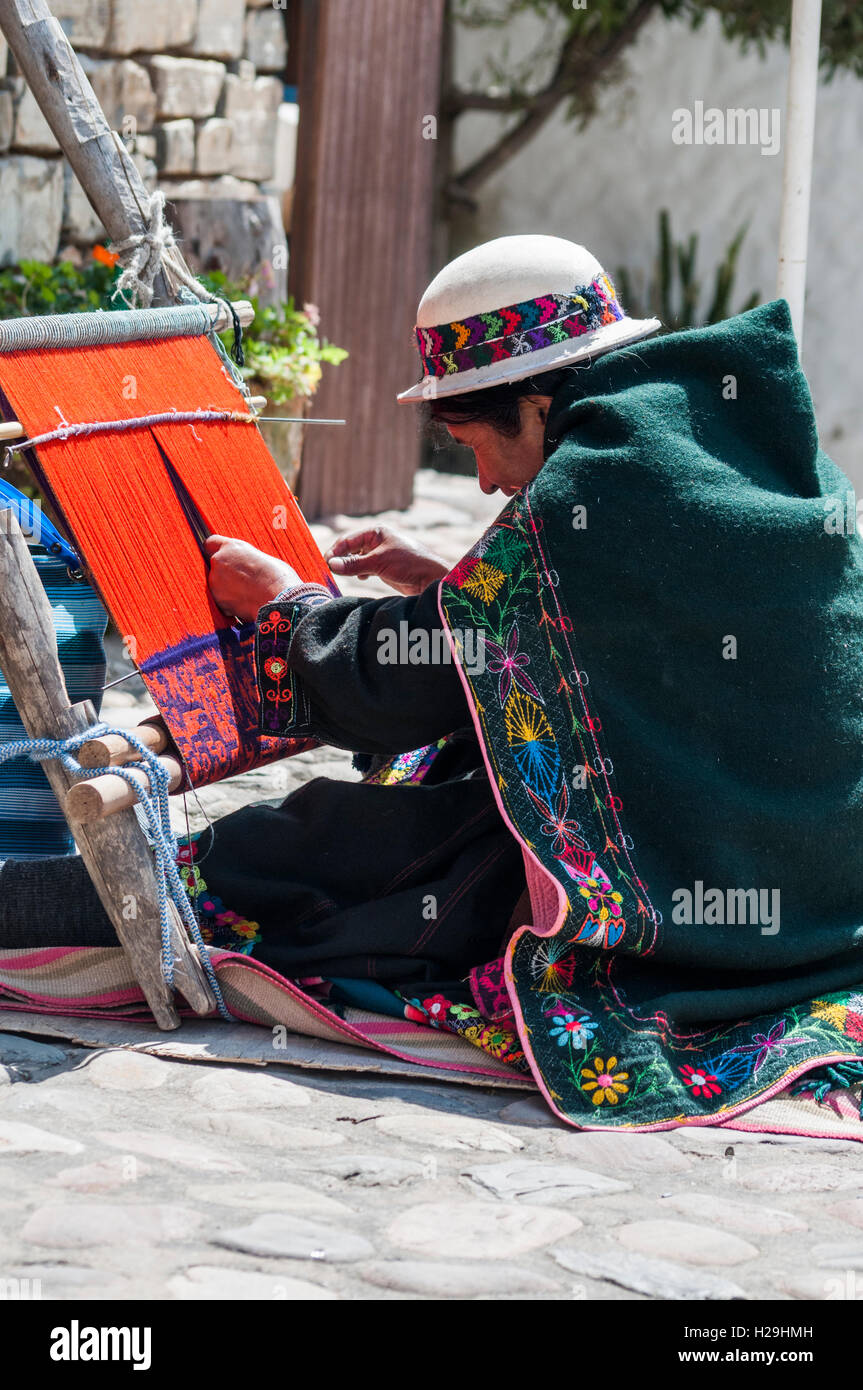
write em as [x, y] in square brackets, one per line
[503, 462]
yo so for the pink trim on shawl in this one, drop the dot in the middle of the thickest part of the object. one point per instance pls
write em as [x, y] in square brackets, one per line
[547, 899]
[549, 914]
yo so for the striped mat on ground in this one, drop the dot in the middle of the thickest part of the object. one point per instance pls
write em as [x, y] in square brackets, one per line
[93, 982]
[89, 997]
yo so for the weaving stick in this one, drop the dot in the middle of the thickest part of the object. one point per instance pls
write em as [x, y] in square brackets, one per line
[94, 798]
[115, 851]
[243, 308]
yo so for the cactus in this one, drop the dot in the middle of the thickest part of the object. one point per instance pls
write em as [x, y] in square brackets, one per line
[675, 291]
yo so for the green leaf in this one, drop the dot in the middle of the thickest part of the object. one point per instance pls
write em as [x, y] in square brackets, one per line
[676, 281]
[284, 352]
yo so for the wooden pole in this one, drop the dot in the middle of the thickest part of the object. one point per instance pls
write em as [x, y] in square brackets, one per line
[102, 164]
[797, 169]
[369, 87]
[114, 850]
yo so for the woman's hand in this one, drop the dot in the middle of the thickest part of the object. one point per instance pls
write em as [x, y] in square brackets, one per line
[401, 562]
[243, 579]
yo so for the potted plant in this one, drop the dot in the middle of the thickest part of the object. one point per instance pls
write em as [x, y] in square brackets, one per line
[283, 361]
[282, 348]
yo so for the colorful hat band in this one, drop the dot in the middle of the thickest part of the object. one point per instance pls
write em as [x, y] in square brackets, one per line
[535, 323]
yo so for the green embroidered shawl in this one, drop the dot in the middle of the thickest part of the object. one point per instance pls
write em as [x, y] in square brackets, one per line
[672, 714]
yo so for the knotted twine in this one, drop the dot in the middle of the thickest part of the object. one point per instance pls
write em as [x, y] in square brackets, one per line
[144, 254]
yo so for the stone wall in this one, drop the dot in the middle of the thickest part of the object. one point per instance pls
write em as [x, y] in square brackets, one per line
[195, 89]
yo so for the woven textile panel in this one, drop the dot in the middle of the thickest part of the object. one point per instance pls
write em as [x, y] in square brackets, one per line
[117, 502]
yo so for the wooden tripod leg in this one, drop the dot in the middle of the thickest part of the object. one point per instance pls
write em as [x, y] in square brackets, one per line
[115, 851]
[100, 161]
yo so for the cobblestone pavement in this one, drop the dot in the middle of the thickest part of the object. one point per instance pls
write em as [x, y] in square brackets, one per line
[131, 1176]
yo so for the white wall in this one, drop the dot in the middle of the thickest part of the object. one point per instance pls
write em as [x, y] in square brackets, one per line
[604, 188]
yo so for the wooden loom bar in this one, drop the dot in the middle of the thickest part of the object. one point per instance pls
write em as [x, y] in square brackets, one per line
[99, 159]
[94, 798]
[110, 750]
[244, 310]
[114, 850]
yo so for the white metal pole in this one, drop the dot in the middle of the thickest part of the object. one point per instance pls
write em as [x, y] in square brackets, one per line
[797, 168]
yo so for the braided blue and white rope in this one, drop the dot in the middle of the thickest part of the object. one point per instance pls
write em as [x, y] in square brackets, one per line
[154, 804]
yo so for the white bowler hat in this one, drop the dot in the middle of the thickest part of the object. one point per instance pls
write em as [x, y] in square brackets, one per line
[513, 307]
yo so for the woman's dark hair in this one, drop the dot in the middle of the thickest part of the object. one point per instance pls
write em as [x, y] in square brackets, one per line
[498, 406]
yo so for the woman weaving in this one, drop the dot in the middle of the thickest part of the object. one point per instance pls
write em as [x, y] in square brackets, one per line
[657, 730]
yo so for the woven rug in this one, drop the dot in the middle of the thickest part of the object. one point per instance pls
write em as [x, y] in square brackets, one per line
[837, 1118]
[89, 997]
[237, 1044]
[82, 994]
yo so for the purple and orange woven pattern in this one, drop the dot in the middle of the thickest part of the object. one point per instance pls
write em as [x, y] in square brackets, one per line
[118, 505]
[481, 339]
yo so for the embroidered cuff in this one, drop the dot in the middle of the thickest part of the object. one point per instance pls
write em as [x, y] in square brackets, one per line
[310, 595]
[284, 705]
[276, 692]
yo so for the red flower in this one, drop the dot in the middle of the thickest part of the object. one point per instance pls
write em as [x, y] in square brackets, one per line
[463, 570]
[704, 1083]
[104, 256]
[437, 1006]
[275, 667]
[854, 1026]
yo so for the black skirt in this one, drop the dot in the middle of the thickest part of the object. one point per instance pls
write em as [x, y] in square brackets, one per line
[392, 883]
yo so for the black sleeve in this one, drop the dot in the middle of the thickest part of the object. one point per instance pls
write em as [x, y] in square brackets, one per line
[370, 675]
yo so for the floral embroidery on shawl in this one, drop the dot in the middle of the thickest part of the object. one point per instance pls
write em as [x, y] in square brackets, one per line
[437, 1011]
[596, 1054]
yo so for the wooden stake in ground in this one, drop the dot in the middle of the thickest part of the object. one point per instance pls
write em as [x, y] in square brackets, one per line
[114, 850]
[100, 160]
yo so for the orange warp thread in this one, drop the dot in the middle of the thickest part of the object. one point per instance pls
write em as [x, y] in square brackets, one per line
[116, 501]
